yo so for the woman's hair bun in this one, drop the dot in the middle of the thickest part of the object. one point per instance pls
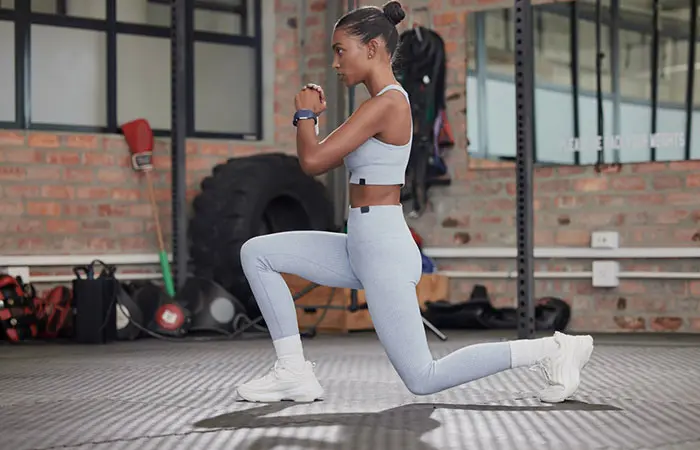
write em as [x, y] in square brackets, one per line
[394, 12]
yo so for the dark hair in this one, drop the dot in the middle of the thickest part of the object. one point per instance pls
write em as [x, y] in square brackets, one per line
[369, 22]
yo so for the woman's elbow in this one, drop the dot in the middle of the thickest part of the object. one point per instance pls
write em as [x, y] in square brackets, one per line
[310, 167]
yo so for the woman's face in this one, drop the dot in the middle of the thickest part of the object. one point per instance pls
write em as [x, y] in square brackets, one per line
[350, 58]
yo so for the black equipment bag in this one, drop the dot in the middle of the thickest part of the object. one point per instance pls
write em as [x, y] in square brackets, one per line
[95, 300]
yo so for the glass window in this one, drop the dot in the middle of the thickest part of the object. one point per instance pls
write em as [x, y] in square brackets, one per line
[554, 121]
[7, 71]
[143, 93]
[673, 82]
[7, 4]
[224, 89]
[89, 9]
[499, 29]
[146, 12]
[75, 60]
[224, 16]
[695, 126]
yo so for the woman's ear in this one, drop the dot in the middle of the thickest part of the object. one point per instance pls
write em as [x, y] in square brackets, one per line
[372, 48]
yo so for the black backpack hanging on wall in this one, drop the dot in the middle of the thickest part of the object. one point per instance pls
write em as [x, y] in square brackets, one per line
[421, 70]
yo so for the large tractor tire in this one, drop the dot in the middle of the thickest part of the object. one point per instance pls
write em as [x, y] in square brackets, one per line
[248, 197]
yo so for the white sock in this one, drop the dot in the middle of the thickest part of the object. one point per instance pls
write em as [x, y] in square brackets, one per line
[290, 351]
[526, 352]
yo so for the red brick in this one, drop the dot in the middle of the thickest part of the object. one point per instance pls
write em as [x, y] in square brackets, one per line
[101, 244]
[21, 225]
[630, 323]
[667, 182]
[63, 158]
[43, 209]
[44, 140]
[591, 185]
[20, 155]
[126, 194]
[74, 175]
[128, 227]
[62, 226]
[12, 173]
[43, 173]
[86, 141]
[628, 184]
[215, 148]
[682, 198]
[58, 192]
[693, 165]
[693, 180]
[95, 225]
[92, 193]
[666, 323]
[23, 191]
[112, 210]
[573, 237]
[671, 216]
[135, 243]
[649, 167]
[11, 208]
[11, 138]
[113, 176]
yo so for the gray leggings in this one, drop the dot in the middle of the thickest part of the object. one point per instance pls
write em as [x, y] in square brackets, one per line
[378, 254]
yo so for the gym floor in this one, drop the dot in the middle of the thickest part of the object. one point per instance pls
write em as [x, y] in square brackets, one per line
[638, 392]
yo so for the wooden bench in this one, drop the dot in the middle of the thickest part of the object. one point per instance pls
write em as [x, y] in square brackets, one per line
[432, 287]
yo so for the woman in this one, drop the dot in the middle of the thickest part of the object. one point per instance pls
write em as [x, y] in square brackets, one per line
[378, 253]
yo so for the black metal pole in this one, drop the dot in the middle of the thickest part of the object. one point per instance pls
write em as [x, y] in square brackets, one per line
[690, 93]
[524, 102]
[599, 81]
[614, 31]
[655, 73]
[178, 54]
[352, 4]
[573, 48]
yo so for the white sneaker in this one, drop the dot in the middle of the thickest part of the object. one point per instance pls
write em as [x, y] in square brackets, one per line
[562, 370]
[283, 383]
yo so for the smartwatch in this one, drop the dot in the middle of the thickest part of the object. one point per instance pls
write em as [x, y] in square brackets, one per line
[303, 114]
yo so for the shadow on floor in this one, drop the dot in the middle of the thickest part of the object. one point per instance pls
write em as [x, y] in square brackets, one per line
[405, 424]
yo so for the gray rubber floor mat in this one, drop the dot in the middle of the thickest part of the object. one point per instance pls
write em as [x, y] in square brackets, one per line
[636, 394]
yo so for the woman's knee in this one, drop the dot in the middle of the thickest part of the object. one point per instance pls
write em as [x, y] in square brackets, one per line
[418, 380]
[253, 250]
[417, 383]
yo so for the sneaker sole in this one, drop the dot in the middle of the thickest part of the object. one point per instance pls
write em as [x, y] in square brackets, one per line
[298, 397]
[583, 351]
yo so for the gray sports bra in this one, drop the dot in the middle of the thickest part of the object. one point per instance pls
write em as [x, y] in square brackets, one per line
[376, 162]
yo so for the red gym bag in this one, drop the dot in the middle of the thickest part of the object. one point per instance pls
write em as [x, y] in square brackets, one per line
[17, 318]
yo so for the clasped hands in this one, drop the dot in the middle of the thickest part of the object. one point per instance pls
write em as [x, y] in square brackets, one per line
[311, 97]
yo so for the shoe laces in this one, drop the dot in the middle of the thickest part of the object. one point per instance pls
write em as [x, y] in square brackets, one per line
[544, 367]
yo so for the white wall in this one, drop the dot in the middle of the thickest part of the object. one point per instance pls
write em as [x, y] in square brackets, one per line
[68, 67]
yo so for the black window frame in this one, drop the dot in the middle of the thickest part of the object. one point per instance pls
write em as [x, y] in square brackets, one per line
[23, 18]
[616, 19]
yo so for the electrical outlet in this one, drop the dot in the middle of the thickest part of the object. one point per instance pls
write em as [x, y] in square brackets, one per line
[605, 239]
[19, 271]
[606, 273]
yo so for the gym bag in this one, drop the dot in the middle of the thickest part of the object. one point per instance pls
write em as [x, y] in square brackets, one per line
[17, 319]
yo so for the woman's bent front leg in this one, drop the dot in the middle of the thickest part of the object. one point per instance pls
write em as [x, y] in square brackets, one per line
[317, 256]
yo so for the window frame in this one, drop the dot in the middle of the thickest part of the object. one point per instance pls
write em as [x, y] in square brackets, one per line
[614, 19]
[23, 19]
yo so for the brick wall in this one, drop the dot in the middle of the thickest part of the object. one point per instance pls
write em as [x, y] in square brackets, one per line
[72, 193]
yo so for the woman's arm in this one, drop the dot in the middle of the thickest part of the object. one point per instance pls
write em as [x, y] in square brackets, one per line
[368, 120]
